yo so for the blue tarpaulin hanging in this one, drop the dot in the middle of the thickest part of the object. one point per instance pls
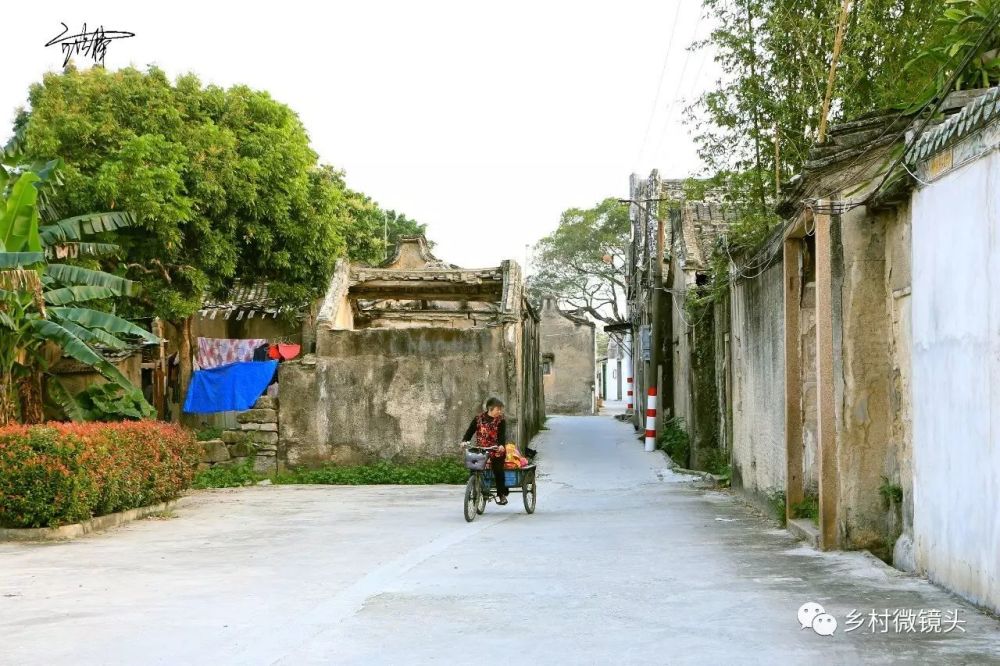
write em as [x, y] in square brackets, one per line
[232, 387]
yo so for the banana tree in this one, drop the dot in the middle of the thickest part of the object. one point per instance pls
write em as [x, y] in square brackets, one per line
[45, 303]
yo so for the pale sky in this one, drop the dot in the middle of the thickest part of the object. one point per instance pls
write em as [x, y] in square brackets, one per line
[484, 121]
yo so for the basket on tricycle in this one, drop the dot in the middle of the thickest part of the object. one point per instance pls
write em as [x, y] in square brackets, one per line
[481, 486]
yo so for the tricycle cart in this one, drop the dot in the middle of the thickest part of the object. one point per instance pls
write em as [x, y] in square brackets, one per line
[481, 487]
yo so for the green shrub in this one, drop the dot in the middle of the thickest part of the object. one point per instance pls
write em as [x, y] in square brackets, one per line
[55, 474]
[807, 508]
[110, 402]
[778, 503]
[227, 476]
[892, 493]
[208, 433]
[674, 441]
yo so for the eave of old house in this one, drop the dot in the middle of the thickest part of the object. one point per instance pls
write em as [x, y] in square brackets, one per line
[849, 165]
[702, 224]
[243, 301]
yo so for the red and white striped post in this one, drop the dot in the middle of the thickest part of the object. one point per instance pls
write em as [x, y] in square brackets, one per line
[629, 408]
[651, 420]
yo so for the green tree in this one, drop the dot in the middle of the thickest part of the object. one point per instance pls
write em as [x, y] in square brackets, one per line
[42, 301]
[222, 182]
[399, 225]
[776, 58]
[583, 261]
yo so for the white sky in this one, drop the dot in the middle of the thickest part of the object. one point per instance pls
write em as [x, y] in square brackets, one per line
[483, 121]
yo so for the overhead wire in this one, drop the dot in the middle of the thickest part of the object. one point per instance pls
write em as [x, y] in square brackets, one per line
[659, 85]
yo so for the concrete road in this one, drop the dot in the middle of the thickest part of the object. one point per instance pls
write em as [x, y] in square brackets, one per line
[623, 563]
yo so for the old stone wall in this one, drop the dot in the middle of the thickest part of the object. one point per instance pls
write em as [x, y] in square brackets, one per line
[393, 394]
[865, 409]
[758, 375]
[254, 437]
[569, 348]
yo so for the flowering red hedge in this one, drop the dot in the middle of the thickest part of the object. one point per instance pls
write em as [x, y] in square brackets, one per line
[61, 473]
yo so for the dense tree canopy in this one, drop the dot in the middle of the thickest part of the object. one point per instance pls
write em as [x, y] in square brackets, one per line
[222, 182]
[776, 57]
[583, 261]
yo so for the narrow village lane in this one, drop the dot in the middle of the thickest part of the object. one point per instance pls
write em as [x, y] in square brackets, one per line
[623, 563]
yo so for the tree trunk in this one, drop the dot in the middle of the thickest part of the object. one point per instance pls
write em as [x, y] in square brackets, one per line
[184, 361]
[30, 390]
[8, 406]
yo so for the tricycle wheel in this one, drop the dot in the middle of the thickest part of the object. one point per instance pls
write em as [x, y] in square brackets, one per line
[481, 497]
[471, 500]
[529, 493]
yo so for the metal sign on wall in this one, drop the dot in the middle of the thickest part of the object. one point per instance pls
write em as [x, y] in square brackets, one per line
[644, 334]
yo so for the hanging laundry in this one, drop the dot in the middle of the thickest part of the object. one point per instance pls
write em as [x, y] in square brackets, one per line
[288, 351]
[233, 387]
[213, 352]
[260, 353]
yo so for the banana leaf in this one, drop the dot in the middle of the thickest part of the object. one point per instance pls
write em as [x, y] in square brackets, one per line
[67, 295]
[20, 219]
[75, 275]
[75, 250]
[95, 319]
[73, 347]
[20, 259]
[75, 228]
[94, 336]
[61, 396]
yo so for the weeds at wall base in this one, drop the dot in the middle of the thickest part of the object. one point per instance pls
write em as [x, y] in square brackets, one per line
[430, 472]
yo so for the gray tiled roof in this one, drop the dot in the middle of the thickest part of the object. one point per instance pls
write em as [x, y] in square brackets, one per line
[978, 113]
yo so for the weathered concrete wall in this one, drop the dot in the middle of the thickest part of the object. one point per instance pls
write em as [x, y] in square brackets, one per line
[390, 394]
[956, 372]
[758, 375]
[679, 346]
[899, 468]
[569, 386]
[807, 375]
[531, 391]
[865, 412]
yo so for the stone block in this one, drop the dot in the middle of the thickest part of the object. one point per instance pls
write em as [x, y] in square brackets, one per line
[265, 465]
[235, 436]
[242, 449]
[257, 416]
[268, 427]
[266, 402]
[214, 450]
[265, 450]
[249, 426]
[262, 437]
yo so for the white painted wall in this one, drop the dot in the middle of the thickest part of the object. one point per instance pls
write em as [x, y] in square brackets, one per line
[956, 380]
[615, 381]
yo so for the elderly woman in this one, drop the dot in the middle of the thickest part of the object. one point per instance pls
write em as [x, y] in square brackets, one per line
[490, 430]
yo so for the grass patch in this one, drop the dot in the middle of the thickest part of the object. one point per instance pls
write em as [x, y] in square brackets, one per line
[206, 434]
[807, 508]
[674, 441]
[228, 476]
[892, 493]
[777, 502]
[381, 473]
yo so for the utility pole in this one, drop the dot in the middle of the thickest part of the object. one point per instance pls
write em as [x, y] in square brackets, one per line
[655, 338]
[838, 44]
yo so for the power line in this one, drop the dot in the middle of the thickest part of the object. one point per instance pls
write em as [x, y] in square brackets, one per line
[659, 85]
[680, 81]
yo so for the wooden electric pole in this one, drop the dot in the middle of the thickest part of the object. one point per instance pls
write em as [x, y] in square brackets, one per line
[838, 44]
